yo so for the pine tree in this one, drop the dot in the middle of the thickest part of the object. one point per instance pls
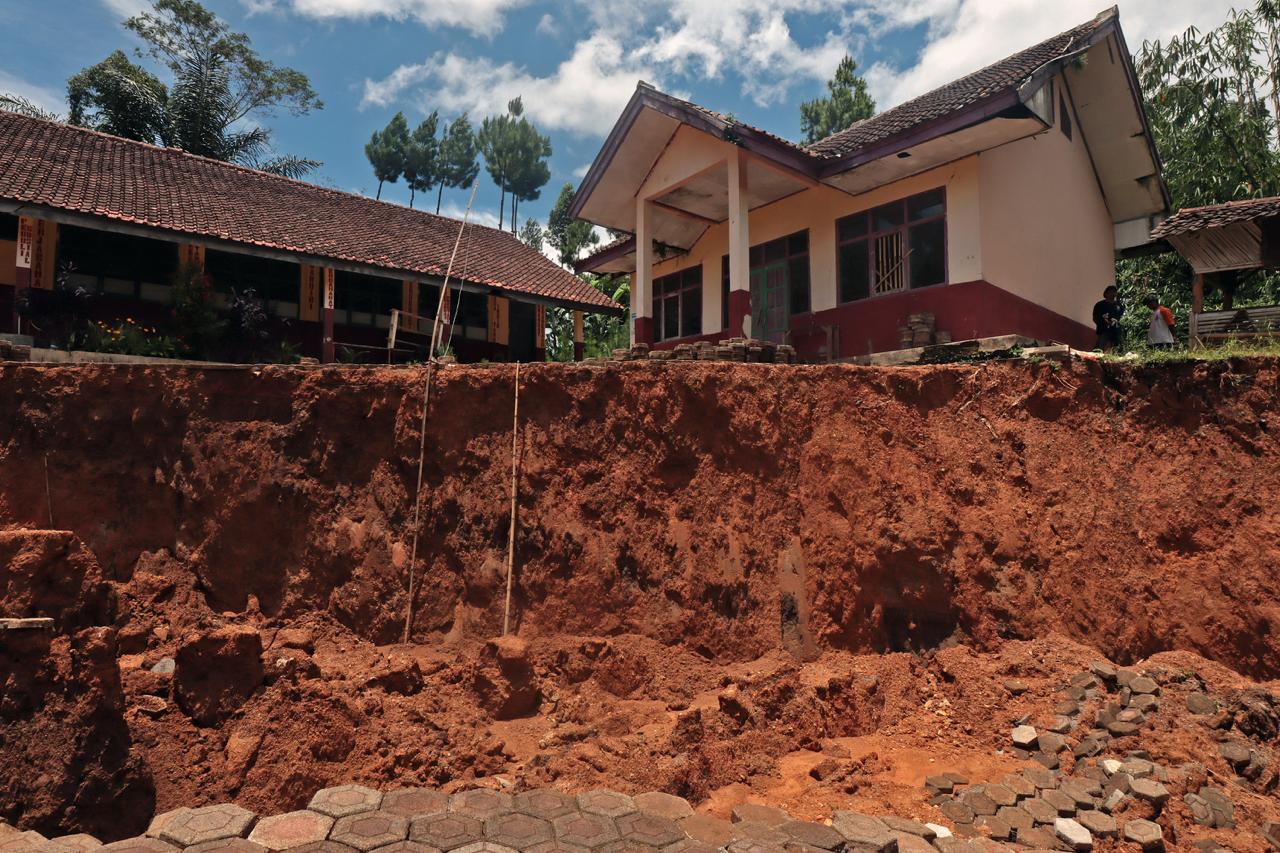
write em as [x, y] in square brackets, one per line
[386, 150]
[566, 235]
[458, 166]
[422, 156]
[847, 103]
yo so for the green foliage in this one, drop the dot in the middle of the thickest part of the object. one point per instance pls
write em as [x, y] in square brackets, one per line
[59, 316]
[515, 156]
[1212, 101]
[568, 236]
[15, 103]
[848, 101]
[422, 157]
[532, 234]
[127, 337]
[386, 151]
[217, 81]
[196, 320]
[458, 166]
[603, 334]
[1247, 348]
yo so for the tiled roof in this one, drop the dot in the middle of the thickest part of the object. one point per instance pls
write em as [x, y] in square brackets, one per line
[965, 92]
[81, 171]
[1216, 216]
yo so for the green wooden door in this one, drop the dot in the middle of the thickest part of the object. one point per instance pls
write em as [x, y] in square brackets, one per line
[769, 302]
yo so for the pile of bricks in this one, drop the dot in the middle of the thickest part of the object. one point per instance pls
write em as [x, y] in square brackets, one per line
[732, 349]
[921, 330]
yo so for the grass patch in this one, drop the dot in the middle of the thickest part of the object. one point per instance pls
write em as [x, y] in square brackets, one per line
[1179, 354]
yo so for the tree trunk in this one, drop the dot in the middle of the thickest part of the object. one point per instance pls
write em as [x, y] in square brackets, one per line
[378, 197]
[515, 205]
[411, 196]
[502, 206]
[439, 197]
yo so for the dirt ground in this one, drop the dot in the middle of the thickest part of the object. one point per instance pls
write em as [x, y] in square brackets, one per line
[806, 586]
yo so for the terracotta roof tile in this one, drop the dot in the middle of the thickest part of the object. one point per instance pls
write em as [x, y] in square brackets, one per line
[1216, 216]
[82, 171]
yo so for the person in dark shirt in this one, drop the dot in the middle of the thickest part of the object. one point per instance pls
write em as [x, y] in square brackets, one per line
[1106, 320]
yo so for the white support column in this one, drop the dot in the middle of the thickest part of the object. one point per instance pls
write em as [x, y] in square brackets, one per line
[739, 247]
[642, 281]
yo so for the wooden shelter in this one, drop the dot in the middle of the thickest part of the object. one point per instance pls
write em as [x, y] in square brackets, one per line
[1222, 241]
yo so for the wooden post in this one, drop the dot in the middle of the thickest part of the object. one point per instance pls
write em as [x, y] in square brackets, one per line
[34, 263]
[499, 324]
[579, 337]
[326, 349]
[1197, 308]
[446, 318]
[540, 333]
[511, 534]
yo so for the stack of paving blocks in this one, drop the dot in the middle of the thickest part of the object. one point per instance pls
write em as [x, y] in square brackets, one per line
[732, 349]
[921, 331]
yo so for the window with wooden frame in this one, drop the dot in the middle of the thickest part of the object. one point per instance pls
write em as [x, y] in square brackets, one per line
[677, 304]
[794, 251]
[894, 247]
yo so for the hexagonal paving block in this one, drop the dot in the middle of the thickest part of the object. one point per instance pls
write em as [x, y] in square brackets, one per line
[141, 844]
[585, 830]
[689, 845]
[517, 830]
[606, 803]
[446, 830]
[1145, 833]
[709, 829]
[292, 829]
[325, 846]
[756, 813]
[911, 843]
[370, 830]
[345, 800]
[749, 830]
[663, 805]
[481, 803]
[227, 845]
[485, 847]
[814, 834]
[26, 842]
[160, 821]
[406, 847]
[209, 823]
[751, 845]
[544, 803]
[414, 802]
[555, 845]
[863, 831]
[650, 829]
[80, 841]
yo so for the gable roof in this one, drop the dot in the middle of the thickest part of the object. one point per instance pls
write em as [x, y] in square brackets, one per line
[1006, 75]
[993, 105]
[1216, 216]
[82, 172]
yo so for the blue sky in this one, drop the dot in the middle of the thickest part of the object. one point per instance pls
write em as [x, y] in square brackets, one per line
[574, 62]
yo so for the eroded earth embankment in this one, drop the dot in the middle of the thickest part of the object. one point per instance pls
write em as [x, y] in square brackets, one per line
[720, 569]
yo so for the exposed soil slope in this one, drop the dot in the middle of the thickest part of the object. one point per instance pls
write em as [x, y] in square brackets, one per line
[720, 567]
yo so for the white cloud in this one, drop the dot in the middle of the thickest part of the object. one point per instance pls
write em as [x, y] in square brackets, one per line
[483, 17]
[48, 99]
[454, 210]
[127, 8]
[965, 35]
[584, 94]
[259, 7]
[547, 25]
[581, 171]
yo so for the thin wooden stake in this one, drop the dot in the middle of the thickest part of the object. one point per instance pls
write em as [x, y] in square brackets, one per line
[426, 407]
[515, 471]
[48, 493]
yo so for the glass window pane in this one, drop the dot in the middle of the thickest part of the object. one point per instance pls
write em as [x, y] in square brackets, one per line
[798, 244]
[854, 282]
[851, 227]
[886, 217]
[775, 250]
[724, 292]
[692, 277]
[757, 256]
[927, 205]
[798, 272]
[671, 317]
[691, 311]
[927, 261]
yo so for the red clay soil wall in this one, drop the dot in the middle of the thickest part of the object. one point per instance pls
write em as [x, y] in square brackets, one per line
[720, 507]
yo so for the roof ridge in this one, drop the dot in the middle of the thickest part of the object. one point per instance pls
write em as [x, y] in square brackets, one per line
[1097, 20]
[183, 153]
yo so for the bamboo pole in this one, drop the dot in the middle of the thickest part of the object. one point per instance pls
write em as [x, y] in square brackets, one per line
[422, 432]
[515, 472]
